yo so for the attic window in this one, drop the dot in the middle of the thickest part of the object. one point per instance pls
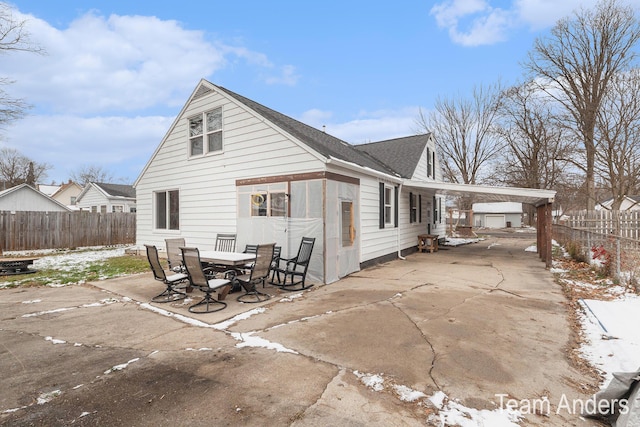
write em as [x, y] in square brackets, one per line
[205, 133]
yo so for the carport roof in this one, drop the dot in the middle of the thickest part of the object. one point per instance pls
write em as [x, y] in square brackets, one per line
[487, 193]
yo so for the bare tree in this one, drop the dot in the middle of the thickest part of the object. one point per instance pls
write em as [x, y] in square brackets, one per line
[16, 169]
[535, 146]
[575, 65]
[462, 131]
[618, 136]
[91, 173]
[13, 37]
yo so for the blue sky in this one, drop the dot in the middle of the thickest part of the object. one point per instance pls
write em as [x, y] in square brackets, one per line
[116, 73]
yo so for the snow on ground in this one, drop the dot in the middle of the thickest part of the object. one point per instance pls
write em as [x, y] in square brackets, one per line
[612, 339]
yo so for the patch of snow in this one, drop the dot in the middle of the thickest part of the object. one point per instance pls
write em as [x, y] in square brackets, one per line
[54, 341]
[248, 340]
[121, 366]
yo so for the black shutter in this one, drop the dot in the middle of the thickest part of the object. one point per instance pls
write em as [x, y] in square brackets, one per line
[419, 207]
[381, 225]
[395, 206]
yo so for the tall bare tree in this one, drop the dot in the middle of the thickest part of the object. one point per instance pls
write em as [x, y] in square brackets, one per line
[535, 145]
[574, 65]
[16, 168]
[462, 130]
[13, 37]
[618, 136]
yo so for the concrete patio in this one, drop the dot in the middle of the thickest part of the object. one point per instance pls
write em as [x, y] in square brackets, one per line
[480, 322]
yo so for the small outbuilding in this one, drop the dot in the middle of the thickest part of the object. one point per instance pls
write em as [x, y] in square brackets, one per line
[497, 215]
[24, 197]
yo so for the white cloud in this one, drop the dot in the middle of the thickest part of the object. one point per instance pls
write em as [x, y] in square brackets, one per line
[121, 63]
[369, 126]
[478, 22]
[473, 22]
[539, 14]
[107, 89]
[67, 142]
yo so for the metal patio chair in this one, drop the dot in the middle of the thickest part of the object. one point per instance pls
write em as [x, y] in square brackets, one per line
[226, 242]
[171, 292]
[295, 269]
[258, 274]
[174, 255]
[205, 280]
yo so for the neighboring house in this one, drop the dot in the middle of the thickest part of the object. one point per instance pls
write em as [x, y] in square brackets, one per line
[629, 203]
[49, 190]
[23, 197]
[104, 198]
[68, 194]
[230, 165]
[497, 214]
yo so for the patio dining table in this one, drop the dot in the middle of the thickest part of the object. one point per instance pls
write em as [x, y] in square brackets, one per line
[231, 259]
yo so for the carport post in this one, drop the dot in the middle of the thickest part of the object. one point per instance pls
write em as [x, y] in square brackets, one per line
[544, 213]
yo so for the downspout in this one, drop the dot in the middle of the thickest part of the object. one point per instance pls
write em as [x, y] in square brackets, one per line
[399, 225]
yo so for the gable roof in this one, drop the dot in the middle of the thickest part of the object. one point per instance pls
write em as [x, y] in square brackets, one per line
[116, 190]
[400, 154]
[327, 145]
[110, 190]
[27, 187]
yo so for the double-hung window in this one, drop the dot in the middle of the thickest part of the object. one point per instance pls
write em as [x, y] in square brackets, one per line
[415, 208]
[167, 210]
[388, 206]
[205, 133]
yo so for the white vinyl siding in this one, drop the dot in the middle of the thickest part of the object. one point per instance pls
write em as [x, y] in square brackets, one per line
[252, 148]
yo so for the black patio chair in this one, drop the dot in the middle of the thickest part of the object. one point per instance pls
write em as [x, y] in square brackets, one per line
[226, 242]
[277, 251]
[295, 269]
[174, 256]
[171, 292]
[258, 274]
[205, 280]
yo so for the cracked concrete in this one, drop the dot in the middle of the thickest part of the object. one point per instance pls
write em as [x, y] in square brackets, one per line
[475, 322]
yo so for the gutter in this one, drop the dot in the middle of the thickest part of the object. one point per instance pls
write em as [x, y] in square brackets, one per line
[398, 229]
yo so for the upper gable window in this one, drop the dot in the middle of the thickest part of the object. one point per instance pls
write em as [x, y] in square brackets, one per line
[205, 133]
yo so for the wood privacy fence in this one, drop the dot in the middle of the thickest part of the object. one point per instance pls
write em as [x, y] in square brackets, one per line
[21, 231]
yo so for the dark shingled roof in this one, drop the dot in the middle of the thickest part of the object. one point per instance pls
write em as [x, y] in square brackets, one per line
[117, 190]
[400, 154]
[322, 142]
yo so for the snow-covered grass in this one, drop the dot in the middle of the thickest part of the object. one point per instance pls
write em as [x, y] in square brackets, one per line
[64, 267]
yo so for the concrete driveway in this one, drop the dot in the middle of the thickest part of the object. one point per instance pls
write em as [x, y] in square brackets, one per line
[483, 324]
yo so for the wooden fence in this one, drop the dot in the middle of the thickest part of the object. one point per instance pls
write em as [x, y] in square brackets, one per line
[624, 224]
[613, 235]
[21, 231]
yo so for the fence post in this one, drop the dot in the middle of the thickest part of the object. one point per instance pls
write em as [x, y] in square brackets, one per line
[618, 266]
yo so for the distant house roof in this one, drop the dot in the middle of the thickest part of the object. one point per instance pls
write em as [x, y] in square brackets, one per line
[49, 190]
[40, 195]
[116, 190]
[110, 190]
[497, 207]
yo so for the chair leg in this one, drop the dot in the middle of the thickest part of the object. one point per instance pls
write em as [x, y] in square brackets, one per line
[208, 304]
[252, 295]
[169, 295]
[294, 286]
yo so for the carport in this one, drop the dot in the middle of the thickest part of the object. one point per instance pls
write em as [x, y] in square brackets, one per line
[541, 199]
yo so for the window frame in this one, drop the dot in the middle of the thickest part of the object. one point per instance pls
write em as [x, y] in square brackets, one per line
[204, 135]
[263, 202]
[170, 216]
